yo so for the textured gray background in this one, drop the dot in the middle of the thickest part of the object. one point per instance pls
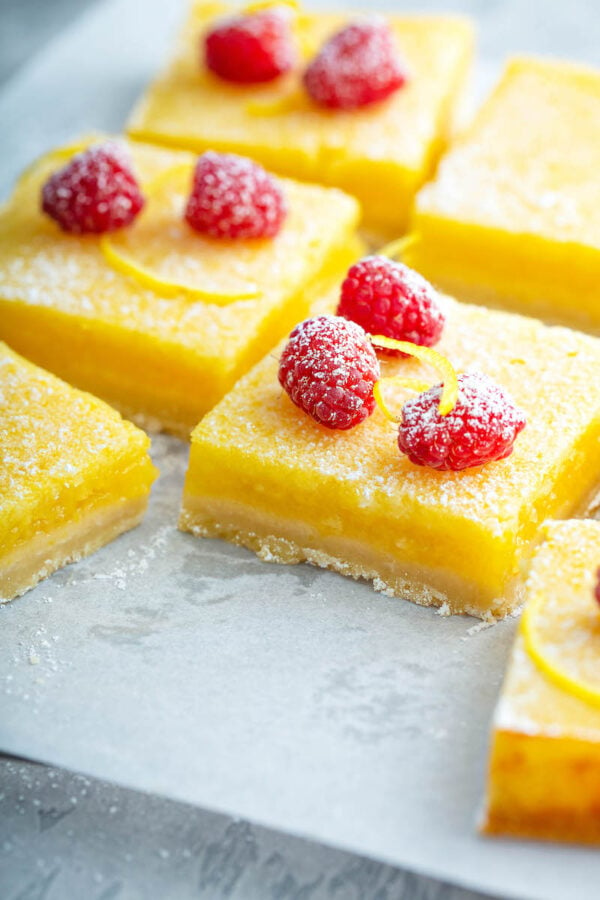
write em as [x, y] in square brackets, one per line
[65, 836]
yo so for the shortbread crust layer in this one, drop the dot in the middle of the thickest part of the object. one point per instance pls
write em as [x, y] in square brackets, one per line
[22, 568]
[287, 541]
[262, 533]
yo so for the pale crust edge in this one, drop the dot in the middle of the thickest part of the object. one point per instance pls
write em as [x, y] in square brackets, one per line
[47, 551]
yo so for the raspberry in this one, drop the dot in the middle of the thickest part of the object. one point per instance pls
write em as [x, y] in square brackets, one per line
[233, 197]
[328, 368]
[251, 48]
[357, 66]
[388, 298]
[94, 193]
[481, 428]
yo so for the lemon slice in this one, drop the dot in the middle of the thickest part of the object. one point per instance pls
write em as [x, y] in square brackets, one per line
[563, 640]
[449, 395]
[160, 246]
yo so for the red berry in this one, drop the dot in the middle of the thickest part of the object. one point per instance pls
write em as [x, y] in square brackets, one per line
[328, 368]
[597, 585]
[481, 428]
[388, 298]
[233, 197]
[95, 192]
[251, 48]
[357, 66]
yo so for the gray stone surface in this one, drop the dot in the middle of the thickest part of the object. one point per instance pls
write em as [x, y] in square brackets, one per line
[26, 25]
[67, 837]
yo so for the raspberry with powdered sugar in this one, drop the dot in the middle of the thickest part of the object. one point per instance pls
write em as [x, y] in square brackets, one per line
[481, 428]
[389, 298]
[358, 66]
[251, 48]
[328, 369]
[233, 197]
[96, 192]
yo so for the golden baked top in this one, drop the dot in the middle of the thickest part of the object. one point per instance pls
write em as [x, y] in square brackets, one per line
[53, 440]
[529, 163]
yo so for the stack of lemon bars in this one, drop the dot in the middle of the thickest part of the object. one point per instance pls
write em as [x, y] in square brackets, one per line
[379, 325]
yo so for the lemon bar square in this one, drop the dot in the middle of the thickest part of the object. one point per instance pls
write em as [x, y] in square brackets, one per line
[512, 218]
[544, 774]
[73, 474]
[381, 154]
[264, 475]
[163, 361]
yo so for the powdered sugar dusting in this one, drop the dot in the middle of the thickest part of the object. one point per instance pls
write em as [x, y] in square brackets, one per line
[529, 164]
[53, 440]
[358, 65]
[233, 197]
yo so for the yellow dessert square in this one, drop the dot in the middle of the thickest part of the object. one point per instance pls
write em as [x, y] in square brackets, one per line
[544, 776]
[512, 218]
[264, 475]
[73, 474]
[381, 154]
[164, 360]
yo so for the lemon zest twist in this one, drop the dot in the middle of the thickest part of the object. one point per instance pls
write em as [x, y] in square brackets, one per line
[165, 287]
[413, 384]
[259, 5]
[125, 264]
[272, 106]
[398, 249]
[443, 365]
[554, 672]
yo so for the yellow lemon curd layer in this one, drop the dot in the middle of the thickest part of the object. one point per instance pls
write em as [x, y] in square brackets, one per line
[381, 154]
[512, 218]
[544, 776]
[73, 474]
[164, 360]
[264, 475]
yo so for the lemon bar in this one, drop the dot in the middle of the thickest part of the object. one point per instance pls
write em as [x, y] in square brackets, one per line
[512, 218]
[381, 154]
[162, 360]
[264, 475]
[73, 474]
[544, 777]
